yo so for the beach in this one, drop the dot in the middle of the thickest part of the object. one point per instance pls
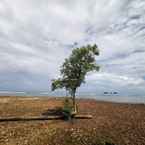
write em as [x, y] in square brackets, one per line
[123, 123]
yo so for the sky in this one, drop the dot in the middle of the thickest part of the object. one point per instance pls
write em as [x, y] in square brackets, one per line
[37, 35]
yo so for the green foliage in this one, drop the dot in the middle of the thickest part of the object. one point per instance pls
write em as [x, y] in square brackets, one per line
[57, 84]
[67, 104]
[75, 68]
[67, 108]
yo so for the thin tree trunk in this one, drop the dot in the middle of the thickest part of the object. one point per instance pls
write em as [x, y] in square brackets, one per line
[74, 101]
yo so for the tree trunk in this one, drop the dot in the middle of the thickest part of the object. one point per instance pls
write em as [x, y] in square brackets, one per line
[74, 101]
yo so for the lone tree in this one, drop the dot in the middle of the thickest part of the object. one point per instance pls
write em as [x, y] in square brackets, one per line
[75, 68]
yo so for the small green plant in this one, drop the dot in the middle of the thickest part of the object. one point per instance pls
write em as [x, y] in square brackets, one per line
[67, 108]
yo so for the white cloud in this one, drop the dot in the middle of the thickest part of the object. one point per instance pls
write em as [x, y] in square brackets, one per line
[115, 79]
[36, 36]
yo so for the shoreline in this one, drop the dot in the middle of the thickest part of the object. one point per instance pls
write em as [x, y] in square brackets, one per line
[62, 97]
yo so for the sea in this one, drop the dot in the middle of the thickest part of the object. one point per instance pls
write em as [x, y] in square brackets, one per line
[86, 95]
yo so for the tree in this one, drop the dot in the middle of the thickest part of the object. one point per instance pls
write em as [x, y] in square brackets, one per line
[75, 68]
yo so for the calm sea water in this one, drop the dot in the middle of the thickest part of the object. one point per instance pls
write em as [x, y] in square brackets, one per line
[101, 97]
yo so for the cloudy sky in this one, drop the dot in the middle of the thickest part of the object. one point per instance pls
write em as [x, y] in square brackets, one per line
[36, 36]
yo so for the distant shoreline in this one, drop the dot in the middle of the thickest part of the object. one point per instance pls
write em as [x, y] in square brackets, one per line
[101, 99]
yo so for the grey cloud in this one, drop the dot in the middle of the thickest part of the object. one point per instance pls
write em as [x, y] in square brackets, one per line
[36, 36]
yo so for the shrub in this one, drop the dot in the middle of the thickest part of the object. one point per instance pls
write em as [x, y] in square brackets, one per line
[67, 108]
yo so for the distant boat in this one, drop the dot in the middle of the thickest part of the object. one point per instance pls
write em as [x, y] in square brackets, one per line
[105, 92]
[110, 93]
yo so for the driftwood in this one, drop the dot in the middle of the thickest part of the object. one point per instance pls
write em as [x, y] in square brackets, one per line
[31, 118]
[42, 118]
[83, 116]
